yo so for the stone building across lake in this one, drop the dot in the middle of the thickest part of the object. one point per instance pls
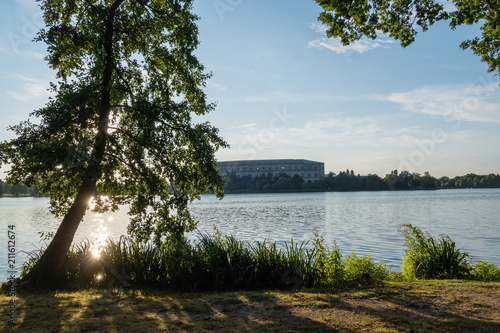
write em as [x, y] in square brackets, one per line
[308, 170]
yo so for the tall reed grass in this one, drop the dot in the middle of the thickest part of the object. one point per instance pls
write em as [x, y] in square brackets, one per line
[222, 262]
[214, 262]
[429, 258]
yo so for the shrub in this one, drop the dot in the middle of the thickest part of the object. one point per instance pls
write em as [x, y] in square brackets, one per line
[356, 267]
[428, 258]
[328, 264]
[484, 271]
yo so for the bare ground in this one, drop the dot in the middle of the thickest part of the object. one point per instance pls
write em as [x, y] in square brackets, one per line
[428, 306]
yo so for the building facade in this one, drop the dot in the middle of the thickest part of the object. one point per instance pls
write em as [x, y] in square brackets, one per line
[308, 170]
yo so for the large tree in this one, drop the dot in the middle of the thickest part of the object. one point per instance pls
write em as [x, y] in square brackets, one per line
[354, 19]
[120, 128]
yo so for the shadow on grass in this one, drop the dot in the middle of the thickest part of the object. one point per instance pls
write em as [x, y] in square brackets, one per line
[424, 307]
[367, 306]
[157, 311]
[38, 311]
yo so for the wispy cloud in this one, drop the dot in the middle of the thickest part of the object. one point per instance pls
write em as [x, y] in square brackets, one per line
[217, 86]
[410, 139]
[477, 103]
[287, 96]
[19, 53]
[329, 132]
[373, 133]
[31, 88]
[335, 44]
[245, 126]
[340, 131]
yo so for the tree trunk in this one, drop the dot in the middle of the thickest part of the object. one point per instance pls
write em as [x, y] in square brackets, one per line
[48, 272]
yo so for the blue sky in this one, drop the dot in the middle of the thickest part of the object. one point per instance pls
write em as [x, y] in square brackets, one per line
[286, 91]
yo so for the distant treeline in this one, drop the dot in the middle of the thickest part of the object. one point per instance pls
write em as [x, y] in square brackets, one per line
[349, 181]
[343, 181]
[19, 190]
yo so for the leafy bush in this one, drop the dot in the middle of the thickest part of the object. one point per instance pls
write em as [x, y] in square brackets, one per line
[356, 267]
[428, 258]
[328, 265]
[484, 271]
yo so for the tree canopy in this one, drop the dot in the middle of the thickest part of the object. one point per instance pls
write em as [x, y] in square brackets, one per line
[354, 19]
[128, 77]
[120, 126]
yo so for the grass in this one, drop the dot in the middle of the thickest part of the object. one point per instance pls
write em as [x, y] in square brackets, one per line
[363, 306]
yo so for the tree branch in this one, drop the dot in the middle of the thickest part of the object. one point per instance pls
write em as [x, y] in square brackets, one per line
[163, 122]
[152, 151]
[127, 163]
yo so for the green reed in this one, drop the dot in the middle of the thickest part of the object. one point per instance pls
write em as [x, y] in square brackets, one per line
[429, 258]
[222, 262]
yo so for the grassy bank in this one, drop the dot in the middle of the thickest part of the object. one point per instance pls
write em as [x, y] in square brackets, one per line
[361, 306]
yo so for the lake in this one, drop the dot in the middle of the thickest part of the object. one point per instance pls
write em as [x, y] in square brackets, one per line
[364, 222]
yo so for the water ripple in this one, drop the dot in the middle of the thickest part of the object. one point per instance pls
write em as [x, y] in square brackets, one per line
[364, 222]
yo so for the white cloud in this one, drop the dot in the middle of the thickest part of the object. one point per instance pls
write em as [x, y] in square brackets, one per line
[477, 103]
[334, 44]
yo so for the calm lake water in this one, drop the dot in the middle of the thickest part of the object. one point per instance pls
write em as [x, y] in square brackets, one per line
[364, 222]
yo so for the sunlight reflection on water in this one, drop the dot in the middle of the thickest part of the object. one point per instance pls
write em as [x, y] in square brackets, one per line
[100, 236]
